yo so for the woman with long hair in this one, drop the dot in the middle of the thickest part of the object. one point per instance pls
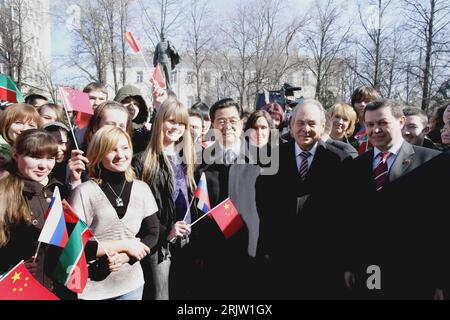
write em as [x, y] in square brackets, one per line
[117, 208]
[259, 126]
[25, 194]
[167, 165]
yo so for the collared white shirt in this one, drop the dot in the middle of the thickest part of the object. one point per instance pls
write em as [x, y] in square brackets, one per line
[236, 148]
[394, 153]
[298, 158]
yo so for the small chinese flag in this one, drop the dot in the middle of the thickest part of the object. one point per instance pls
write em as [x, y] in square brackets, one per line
[227, 217]
[19, 284]
[132, 42]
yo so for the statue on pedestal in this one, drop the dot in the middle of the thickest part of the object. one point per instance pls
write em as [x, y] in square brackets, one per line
[167, 56]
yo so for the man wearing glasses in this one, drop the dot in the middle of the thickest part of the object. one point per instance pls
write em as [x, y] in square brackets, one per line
[227, 262]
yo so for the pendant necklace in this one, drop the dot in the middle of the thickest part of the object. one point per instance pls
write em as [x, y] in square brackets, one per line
[119, 201]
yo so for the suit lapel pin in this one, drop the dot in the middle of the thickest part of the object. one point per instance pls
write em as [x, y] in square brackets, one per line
[406, 162]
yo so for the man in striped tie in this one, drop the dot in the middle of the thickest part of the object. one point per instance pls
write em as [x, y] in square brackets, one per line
[393, 225]
[301, 210]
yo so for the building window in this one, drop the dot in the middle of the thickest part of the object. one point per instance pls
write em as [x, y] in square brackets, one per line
[190, 77]
[305, 78]
[140, 77]
[173, 76]
[190, 101]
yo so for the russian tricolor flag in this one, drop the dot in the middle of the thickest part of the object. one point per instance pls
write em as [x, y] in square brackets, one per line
[201, 193]
[54, 231]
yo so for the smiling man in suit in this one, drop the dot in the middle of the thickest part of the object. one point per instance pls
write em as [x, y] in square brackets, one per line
[300, 214]
[394, 225]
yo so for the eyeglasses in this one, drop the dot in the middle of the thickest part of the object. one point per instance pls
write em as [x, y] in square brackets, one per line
[222, 122]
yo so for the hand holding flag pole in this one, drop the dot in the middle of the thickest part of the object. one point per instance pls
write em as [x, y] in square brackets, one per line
[64, 100]
[184, 219]
[201, 193]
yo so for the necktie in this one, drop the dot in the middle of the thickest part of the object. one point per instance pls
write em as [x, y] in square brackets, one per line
[304, 164]
[381, 170]
[230, 156]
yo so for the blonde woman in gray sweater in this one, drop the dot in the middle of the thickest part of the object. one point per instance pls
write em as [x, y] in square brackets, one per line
[117, 208]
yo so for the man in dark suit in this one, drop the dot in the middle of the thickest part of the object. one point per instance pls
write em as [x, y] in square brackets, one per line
[396, 227]
[229, 174]
[297, 225]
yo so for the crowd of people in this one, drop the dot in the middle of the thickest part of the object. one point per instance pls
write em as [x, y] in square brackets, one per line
[348, 190]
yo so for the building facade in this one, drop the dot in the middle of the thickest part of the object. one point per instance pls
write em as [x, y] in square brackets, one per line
[214, 85]
[30, 22]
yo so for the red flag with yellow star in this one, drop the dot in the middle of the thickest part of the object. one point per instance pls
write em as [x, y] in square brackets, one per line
[19, 284]
[227, 217]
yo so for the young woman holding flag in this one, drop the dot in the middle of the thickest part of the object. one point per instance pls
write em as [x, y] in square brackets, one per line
[167, 165]
[25, 193]
[119, 209]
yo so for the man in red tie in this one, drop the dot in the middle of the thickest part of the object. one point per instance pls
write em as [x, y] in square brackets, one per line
[393, 225]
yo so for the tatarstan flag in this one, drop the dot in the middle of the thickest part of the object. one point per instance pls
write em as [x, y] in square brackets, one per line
[19, 284]
[71, 269]
[227, 217]
[9, 91]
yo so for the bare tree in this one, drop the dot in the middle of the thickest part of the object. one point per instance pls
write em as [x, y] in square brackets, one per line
[235, 50]
[161, 16]
[394, 64]
[13, 38]
[428, 23]
[124, 24]
[255, 49]
[273, 43]
[198, 40]
[47, 81]
[372, 45]
[326, 39]
[91, 46]
[349, 77]
[110, 10]
[116, 22]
